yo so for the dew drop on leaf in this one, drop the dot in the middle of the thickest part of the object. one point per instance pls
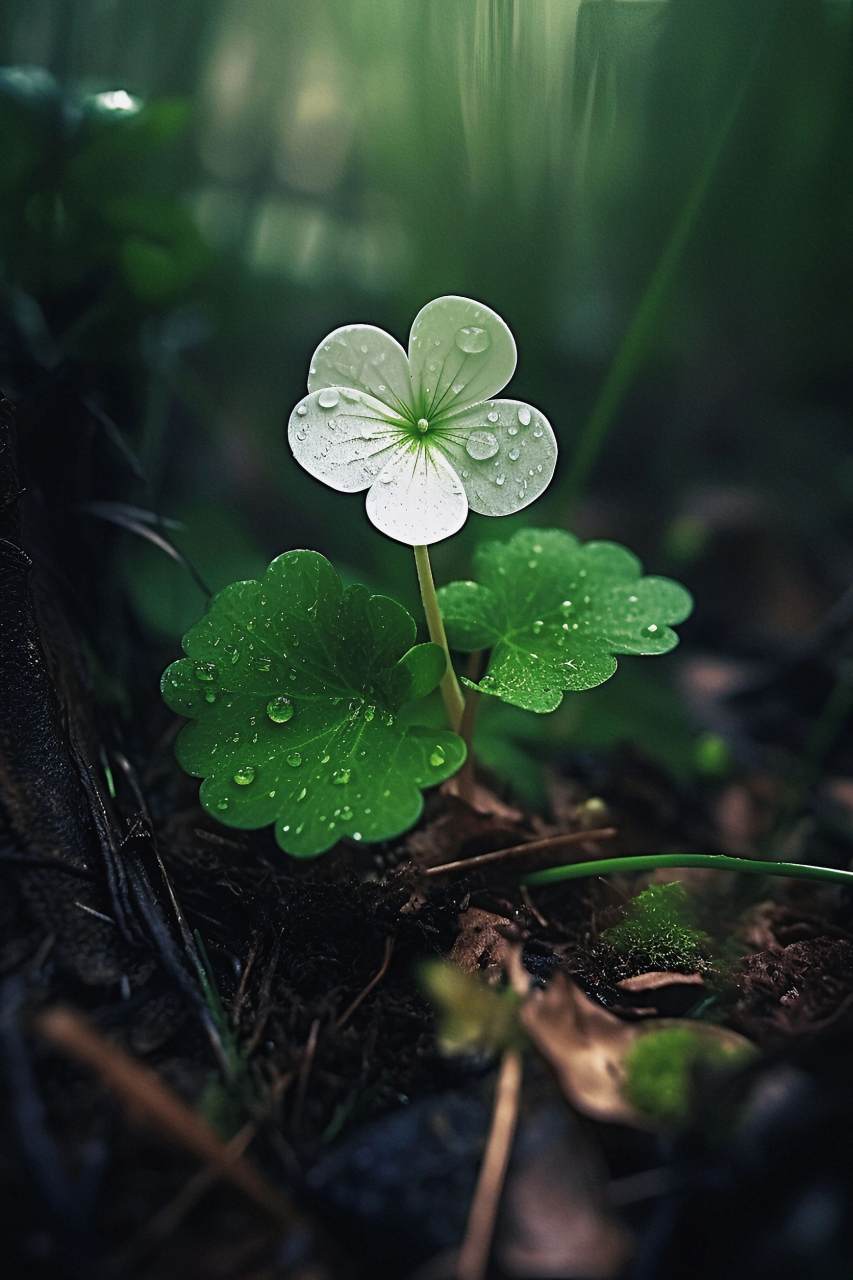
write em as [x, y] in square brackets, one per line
[328, 398]
[222, 805]
[512, 431]
[649, 630]
[437, 757]
[206, 671]
[499, 480]
[481, 445]
[341, 777]
[302, 410]
[493, 417]
[280, 710]
[524, 416]
[244, 776]
[294, 759]
[472, 340]
[210, 697]
[513, 453]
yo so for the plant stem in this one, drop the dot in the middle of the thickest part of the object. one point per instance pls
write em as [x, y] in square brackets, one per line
[450, 691]
[477, 1245]
[716, 861]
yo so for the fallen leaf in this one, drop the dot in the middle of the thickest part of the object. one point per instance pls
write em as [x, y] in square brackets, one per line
[585, 1044]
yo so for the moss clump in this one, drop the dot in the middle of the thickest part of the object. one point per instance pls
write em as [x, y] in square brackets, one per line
[661, 1065]
[660, 928]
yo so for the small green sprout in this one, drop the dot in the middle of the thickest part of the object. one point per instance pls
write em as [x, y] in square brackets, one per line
[305, 699]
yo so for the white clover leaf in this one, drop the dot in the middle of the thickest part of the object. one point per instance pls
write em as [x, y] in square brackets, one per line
[422, 432]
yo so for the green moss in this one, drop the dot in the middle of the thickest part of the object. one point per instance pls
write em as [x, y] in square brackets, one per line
[660, 1067]
[661, 929]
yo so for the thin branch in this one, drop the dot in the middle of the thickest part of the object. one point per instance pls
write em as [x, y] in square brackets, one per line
[551, 844]
[148, 1101]
[477, 1245]
[374, 982]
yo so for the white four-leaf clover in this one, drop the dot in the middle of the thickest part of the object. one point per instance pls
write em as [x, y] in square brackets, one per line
[422, 432]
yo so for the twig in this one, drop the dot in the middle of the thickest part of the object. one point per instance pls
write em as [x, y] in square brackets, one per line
[149, 1101]
[374, 982]
[304, 1072]
[476, 1247]
[552, 843]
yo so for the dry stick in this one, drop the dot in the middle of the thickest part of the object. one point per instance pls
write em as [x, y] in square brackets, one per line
[149, 1101]
[374, 982]
[533, 846]
[476, 1247]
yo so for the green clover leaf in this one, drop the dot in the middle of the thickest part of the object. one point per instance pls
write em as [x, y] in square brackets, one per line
[303, 705]
[554, 611]
[422, 432]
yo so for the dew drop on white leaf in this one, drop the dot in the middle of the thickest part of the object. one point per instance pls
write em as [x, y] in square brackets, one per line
[524, 415]
[328, 398]
[481, 445]
[472, 340]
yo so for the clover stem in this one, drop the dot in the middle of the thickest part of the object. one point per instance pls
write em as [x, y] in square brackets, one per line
[450, 691]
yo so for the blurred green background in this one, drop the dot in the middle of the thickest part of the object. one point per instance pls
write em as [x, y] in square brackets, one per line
[655, 194]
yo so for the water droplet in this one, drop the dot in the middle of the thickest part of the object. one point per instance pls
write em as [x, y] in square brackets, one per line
[244, 776]
[222, 804]
[437, 757]
[512, 431]
[210, 697]
[481, 445]
[356, 835]
[369, 713]
[464, 475]
[567, 604]
[649, 630]
[364, 349]
[262, 664]
[302, 410]
[538, 432]
[513, 453]
[328, 398]
[537, 626]
[280, 710]
[341, 777]
[423, 424]
[325, 759]
[300, 435]
[524, 415]
[493, 417]
[346, 813]
[472, 340]
[206, 671]
[499, 480]
[302, 794]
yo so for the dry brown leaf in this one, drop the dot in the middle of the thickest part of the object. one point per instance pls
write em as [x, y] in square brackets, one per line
[585, 1044]
[655, 979]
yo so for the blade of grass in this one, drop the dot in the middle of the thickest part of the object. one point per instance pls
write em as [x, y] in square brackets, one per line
[641, 331]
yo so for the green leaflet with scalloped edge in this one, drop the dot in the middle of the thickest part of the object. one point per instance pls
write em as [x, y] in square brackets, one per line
[303, 702]
[555, 611]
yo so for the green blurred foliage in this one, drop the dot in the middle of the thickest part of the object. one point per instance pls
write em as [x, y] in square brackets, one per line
[348, 160]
